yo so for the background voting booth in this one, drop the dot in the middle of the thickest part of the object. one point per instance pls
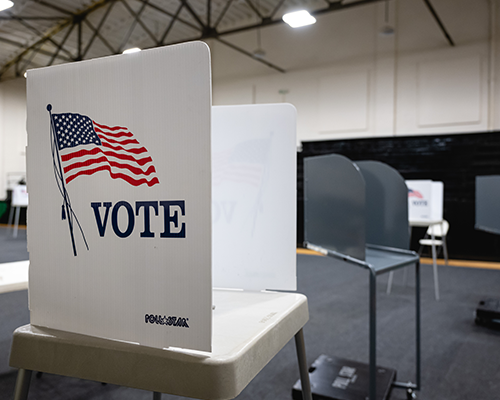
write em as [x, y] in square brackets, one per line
[19, 199]
[425, 202]
[488, 220]
[142, 199]
[425, 209]
[488, 203]
[358, 214]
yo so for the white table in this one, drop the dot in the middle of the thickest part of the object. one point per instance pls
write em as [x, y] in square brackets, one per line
[14, 276]
[249, 329]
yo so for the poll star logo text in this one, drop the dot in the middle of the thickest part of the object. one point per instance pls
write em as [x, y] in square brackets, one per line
[172, 210]
[164, 320]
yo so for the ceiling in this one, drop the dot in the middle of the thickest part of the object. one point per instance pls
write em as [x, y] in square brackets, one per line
[37, 33]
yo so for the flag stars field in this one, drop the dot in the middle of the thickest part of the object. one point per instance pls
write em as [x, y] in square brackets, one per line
[87, 147]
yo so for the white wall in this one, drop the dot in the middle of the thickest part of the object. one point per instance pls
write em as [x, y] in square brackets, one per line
[13, 138]
[410, 83]
[442, 91]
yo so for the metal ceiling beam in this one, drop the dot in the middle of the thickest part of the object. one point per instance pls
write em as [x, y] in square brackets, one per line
[42, 40]
[193, 14]
[41, 34]
[254, 9]
[54, 56]
[48, 36]
[54, 7]
[439, 22]
[27, 62]
[223, 13]
[275, 10]
[26, 18]
[155, 7]
[137, 17]
[12, 42]
[333, 6]
[171, 24]
[26, 49]
[206, 30]
[97, 31]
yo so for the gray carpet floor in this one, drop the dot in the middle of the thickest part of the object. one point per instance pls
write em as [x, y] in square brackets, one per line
[12, 248]
[460, 360]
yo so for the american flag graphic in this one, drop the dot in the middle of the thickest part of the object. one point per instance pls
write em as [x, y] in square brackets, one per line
[415, 193]
[244, 163]
[87, 147]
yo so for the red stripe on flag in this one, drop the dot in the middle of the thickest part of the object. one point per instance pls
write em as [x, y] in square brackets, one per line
[137, 150]
[110, 128]
[114, 134]
[125, 157]
[87, 163]
[123, 142]
[114, 175]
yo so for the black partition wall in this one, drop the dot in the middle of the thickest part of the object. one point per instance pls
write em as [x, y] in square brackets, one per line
[453, 159]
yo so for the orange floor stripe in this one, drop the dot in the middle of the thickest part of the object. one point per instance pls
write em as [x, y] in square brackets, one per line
[425, 260]
[12, 226]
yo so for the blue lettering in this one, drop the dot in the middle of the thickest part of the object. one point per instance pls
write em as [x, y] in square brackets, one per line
[131, 219]
[173, 211]
[171, 218]
[147, 225]
[100, 225]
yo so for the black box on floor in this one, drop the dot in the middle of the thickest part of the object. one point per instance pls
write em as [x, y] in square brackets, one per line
[488, 313]
[334, 378]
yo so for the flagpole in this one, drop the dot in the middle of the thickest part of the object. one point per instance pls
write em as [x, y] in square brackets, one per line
[65, 193]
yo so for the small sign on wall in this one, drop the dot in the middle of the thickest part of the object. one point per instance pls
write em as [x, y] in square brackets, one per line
[119, 178]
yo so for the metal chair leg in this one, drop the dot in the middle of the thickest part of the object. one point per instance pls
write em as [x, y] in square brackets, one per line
[436, 279]
[11, 216]
[372, 390]
[22, 384]
[303, 370]
[156, 396]
[16, 221]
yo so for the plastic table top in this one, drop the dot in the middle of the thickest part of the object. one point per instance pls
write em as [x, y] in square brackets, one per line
[14, 276]
[249, 329]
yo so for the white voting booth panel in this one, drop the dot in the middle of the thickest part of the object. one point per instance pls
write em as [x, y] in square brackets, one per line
[425, 200]
[119, 162]
[19, 196]
[254, 192]
[137, 209]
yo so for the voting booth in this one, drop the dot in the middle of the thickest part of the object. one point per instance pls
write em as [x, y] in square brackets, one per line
[357, 214]
[425, 209]
[487, 203]
[143, 198]
[425, 202]
[19, 199]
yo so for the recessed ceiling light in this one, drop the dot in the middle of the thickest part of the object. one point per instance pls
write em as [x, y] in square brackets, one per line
[299, 18]
[4, 4]
[132, 50]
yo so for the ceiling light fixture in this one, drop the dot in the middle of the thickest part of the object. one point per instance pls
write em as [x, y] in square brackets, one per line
[387, 29]
[4, 4]
[300, 18]
[259, 53]
[132, 50]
